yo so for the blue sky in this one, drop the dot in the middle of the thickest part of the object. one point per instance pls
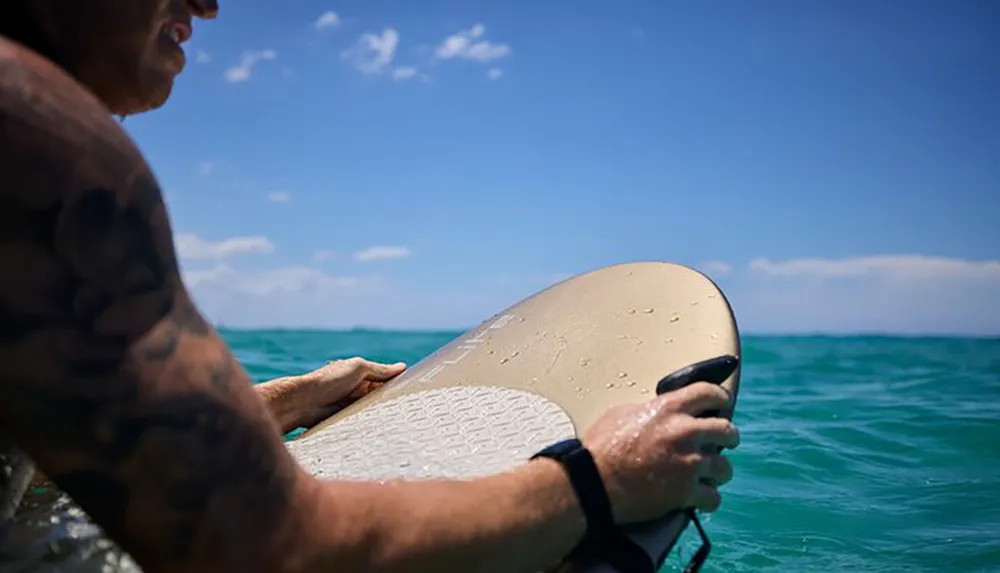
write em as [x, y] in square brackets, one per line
[834, 165]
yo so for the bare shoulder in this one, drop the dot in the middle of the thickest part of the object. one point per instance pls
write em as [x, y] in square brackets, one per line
[83, 218]
[54, 130]
[37, 94]
[113, 382]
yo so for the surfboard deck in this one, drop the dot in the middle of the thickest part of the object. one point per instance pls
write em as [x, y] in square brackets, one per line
[541, 371]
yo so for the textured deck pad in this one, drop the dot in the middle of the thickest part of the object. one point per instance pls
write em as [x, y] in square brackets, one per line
[445, 433]
[543, 370]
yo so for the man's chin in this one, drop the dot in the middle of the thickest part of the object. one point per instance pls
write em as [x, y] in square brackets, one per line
[149, 100]
[160, 97]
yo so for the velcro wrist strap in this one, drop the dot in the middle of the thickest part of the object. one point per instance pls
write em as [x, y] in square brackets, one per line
[589, 488]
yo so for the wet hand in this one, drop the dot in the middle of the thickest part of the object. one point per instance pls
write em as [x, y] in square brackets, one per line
[658, 456]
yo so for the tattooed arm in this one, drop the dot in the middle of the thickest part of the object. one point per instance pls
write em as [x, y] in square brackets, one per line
[130, 402]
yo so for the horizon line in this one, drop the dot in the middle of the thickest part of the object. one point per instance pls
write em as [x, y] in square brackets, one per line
[749, 333]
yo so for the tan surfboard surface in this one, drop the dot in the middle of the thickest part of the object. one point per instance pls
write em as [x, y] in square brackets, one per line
[541, 371]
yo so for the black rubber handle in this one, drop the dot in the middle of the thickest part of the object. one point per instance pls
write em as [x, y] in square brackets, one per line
[715, 370]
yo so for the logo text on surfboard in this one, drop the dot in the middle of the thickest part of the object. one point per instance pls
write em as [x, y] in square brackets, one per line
[457, 354]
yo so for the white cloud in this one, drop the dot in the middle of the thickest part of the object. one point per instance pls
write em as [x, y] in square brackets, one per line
[897, 266]
[906, 294]
[191, 247]
[328, 19]
[470, 45]
[531, 281]
[404, 73]
[494, 73]
[290, 280]
[323, 256]
[715, 268]
[206, 168]
[202, 57]
[306, 296]
[279, 197]
[285, 296]
[249, 59]
[381, 253]
[909, 294]
[373, 53]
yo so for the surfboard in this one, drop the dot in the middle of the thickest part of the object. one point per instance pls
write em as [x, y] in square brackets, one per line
[538, 372]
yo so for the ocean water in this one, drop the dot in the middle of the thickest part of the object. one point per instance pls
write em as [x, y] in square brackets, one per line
[860, 454]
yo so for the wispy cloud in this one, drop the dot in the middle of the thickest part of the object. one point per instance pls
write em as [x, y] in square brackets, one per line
[323, 256]
[532, 281]
[206, 168]
[404, 73]
[715, 268]
[202, 57]
[470, 45]
[249, 59]
[910, 294]
[373, 53]
[279, 197]
[291, 279]
[888, 293]
[191, 247]
[494, 73]
[381, 253]
[282, 296]
[898, 266]
[328, 19]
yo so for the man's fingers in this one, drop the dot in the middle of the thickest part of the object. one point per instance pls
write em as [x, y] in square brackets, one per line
[382, 372]
[718, 432]
[365, 388]
[715, 469]
[706, 497]
[697, 398]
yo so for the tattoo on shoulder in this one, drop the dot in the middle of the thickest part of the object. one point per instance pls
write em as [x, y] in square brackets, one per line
[123, 393]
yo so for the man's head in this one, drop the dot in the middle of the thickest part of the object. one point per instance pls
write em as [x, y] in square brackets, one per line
[128, 53]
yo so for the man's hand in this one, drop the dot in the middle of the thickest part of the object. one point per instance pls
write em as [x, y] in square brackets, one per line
[303, 401]
[660, 456]
[341, 382]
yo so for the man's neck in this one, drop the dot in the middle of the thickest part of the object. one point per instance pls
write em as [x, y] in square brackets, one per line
[20, 25]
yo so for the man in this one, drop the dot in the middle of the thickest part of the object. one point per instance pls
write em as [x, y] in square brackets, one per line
[29, 541]
[132, 404]
[294, 402]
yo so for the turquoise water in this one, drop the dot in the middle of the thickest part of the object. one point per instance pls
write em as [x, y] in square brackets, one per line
[859, 454]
